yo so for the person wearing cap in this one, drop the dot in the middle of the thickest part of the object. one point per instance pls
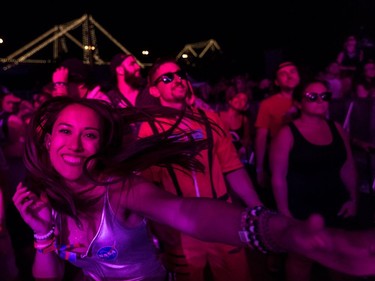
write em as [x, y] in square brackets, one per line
[128, 85]
[273, 112]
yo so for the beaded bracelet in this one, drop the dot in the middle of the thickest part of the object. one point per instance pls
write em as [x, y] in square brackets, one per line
[250, 229]
[50, 234]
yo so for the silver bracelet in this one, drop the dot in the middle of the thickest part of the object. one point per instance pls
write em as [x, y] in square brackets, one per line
[46, 236]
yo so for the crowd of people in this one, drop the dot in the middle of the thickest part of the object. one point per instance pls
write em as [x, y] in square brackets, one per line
[158, 177]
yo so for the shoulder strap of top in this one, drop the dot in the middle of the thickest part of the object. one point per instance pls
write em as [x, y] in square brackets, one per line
[210, 147]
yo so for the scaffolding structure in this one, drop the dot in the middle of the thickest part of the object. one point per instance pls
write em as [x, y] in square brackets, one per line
[58, 36]
[199, 49]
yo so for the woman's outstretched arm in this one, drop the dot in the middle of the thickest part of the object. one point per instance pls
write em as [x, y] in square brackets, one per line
[259, 228]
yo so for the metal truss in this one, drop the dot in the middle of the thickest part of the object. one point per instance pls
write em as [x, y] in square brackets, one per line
[57, 36]
[199, 49]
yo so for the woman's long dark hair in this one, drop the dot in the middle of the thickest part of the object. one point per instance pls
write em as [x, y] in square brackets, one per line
[121, 152]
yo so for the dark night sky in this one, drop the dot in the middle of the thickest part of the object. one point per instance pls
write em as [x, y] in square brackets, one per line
[310, 32]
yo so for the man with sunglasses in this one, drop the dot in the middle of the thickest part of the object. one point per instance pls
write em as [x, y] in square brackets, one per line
[186, 257]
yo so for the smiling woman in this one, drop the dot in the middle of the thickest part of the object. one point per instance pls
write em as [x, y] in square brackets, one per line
[74, 138]
[81, 141]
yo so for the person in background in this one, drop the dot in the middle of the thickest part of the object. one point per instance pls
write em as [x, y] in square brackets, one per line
[72, 78]
[25, 111]
[8, 267]
[273, 113]
[236, 118]
[364, 86]
[351, 56]
[14, 129]
[313, 170]
[332, 76]
[350, 60]
[262, 90]
[128, 84]
[201, 96]
[40, 97]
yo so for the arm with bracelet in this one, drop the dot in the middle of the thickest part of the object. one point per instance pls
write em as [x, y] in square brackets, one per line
[47, 264]
[38, 215]
[260, 229]
[350, 252]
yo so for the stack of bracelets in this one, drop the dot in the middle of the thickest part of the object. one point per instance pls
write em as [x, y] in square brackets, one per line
[45, 243]
[255, 231]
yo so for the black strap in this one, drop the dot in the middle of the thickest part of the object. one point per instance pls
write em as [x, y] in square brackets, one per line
[210, 148]
[169, 166]
[126, 100]
[174, 179]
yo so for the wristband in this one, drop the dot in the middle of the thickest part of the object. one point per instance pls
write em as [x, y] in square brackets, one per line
[45, 248]
[43, 244]
[249, 232]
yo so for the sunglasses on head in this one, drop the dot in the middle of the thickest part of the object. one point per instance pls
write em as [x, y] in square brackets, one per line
[169, 77]
[313, 97]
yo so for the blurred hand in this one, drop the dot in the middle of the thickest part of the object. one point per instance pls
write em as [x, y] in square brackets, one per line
[35, 211]
[310, 235]
[60, 75]
[96, 93]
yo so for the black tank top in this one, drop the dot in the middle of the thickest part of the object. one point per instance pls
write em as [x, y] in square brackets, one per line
[314, 182]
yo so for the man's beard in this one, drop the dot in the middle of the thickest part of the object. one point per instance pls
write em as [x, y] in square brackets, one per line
[136, 82]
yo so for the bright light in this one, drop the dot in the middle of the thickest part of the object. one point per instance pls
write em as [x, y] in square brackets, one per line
[90, 48]
[185, 56]
[145, 53]
[1, 41]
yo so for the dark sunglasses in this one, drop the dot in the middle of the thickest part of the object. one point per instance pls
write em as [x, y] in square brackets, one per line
[313, 97]
[169, 77]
